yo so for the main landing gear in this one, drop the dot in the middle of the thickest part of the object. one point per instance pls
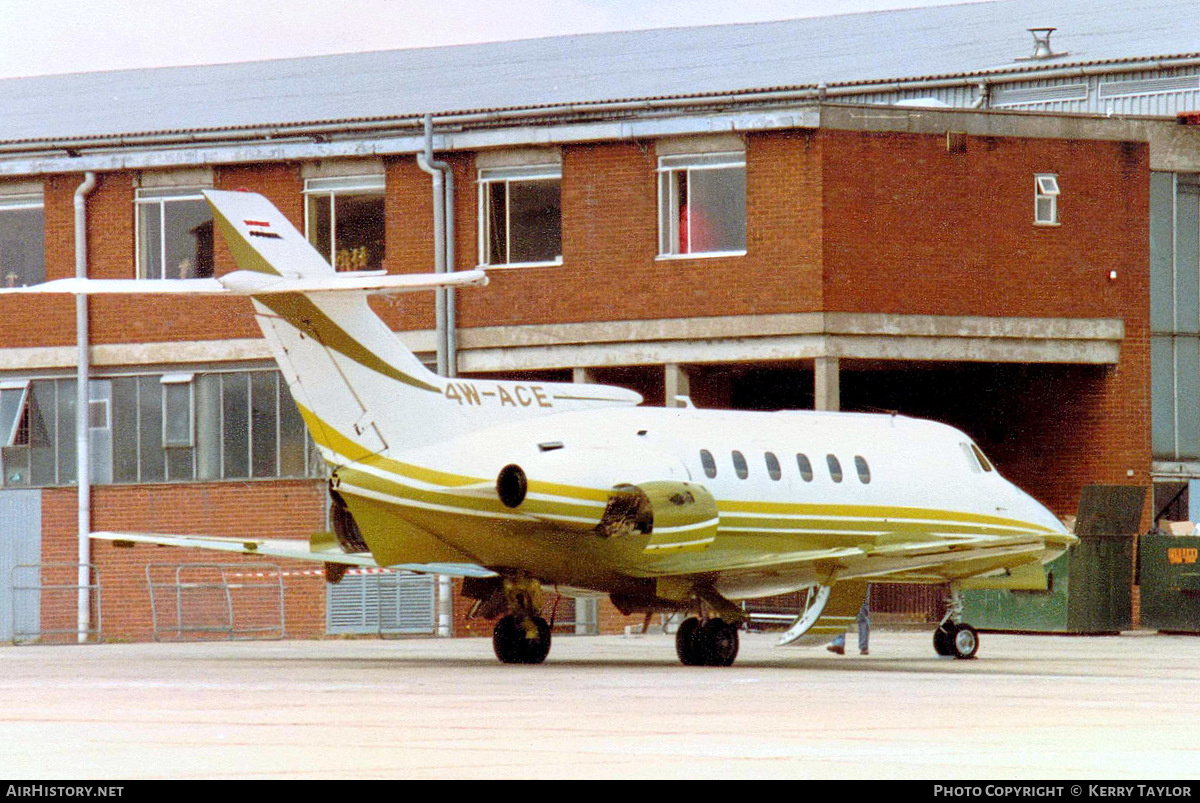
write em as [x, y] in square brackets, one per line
[711, 643]
[521, 639]
[953, 636]
[521, 636]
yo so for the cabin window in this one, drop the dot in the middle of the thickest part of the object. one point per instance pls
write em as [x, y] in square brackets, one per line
[1045, 200]
[520, 215]
[739, 465]
[344, 220]
[710, 465]
[174, 234]
[702, 204]
[806, 471]
[864, 471]
[22, 239]
[835, 467]
[773, 469]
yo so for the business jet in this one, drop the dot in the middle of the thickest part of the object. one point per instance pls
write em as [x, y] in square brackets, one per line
[522, 486]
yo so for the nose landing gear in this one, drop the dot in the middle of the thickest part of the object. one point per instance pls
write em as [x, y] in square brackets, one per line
[955, 637]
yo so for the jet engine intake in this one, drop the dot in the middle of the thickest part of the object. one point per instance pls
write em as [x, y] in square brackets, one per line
[512, 485]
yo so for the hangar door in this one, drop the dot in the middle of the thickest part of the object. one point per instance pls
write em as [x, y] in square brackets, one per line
[20, 544]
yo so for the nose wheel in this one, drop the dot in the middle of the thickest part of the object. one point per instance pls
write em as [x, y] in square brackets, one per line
[954, 637]
[958, 639]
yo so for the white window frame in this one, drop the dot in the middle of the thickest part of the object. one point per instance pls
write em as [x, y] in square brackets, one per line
[159, 196]
[508, 175]
[21, 202]
[1046, 191]
[6, 438]
[668, 199]
[371, 184]
[179, 379]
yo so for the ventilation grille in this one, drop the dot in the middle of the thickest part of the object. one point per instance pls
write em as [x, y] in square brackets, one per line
[1039, 94]
[382, 603]
[1149, 86]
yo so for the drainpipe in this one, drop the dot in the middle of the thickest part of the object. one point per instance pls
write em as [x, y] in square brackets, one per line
[82, 460]
[447, 357]
[981, 102]
[443, 251]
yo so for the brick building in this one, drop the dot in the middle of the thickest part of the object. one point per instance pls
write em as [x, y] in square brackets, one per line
[991, 268]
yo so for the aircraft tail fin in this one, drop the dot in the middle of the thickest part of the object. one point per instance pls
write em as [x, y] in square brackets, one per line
[359, 389]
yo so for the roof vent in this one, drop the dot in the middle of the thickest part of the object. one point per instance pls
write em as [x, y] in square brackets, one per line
[1041, 45]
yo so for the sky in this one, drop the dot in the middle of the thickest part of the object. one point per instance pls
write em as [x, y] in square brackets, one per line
[41, 37]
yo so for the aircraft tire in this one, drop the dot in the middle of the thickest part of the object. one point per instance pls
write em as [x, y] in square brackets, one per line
[511, 642]
[965, 642]
[688, 644]
[720, 640]
[943, 639]
[536, 651]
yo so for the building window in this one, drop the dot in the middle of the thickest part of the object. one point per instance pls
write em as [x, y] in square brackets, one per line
[27, 434]
[520, 215]
[702, 204]
[156, 428]
[344, 219]
[22, 240]
[174, 233]
[1175, 317]
[1045, 199]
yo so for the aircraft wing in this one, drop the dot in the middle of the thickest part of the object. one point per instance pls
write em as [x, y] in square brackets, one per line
[945, 558]
[249, 283]
[288, 549]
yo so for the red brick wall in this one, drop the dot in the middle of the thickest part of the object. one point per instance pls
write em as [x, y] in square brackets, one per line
[50, 321]
[910, 228]
[610, 244]
[279, 509]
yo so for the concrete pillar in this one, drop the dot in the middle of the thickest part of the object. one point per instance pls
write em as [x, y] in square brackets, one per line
[587, 616]
[827, 393]
[581, 376]
[675, 383]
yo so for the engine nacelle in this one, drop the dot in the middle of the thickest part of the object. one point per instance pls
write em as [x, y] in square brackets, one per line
[648, 493]
[567, 485]
[676, 515]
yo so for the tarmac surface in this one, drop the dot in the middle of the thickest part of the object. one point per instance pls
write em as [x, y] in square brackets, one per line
[1029, 707]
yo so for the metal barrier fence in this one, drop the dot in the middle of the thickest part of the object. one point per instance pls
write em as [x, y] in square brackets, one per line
[196, 601]
[45, 603]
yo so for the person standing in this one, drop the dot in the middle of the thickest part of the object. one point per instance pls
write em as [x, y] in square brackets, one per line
[863, 621]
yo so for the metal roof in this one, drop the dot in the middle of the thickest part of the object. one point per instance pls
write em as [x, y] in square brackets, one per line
[959, 40]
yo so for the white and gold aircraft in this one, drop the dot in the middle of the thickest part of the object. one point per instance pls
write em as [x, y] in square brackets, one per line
[517, 486]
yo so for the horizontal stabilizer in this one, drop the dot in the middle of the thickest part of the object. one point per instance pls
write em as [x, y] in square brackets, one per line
[250, 283]
[286, 548]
